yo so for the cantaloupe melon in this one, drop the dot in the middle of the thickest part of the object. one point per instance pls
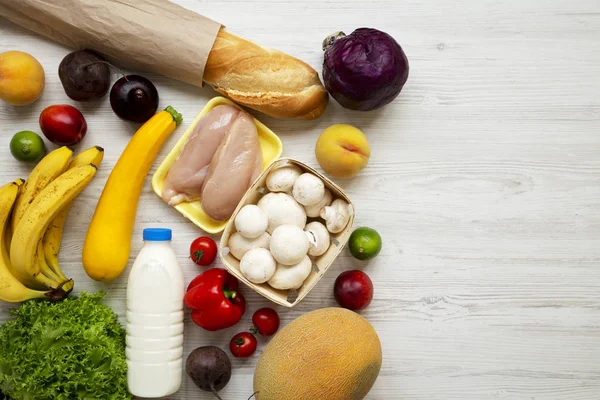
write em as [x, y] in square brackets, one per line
[327, 354]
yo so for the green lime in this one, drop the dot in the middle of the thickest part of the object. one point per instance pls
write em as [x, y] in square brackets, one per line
[364, 243]
[27, 146]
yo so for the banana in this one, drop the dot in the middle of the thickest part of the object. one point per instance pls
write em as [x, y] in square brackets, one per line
[45, 268]
[29, 282]
[54, 233]
[52, 240]
[8, 196]
[65, 284]
[48, 169]
[43, 209]
[8, 236]
[93, 155]
[11, 289]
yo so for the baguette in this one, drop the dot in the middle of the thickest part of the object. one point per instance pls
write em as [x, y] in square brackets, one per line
[265, 80]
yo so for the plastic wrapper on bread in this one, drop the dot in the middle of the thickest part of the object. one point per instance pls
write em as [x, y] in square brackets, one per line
[162, 37]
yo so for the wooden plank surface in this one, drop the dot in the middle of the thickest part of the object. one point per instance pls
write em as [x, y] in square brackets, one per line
[484, 182]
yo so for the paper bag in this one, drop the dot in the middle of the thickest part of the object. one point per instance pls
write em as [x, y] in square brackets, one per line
[151, 35]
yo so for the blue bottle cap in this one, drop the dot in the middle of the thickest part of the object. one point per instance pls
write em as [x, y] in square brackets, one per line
[157, 234]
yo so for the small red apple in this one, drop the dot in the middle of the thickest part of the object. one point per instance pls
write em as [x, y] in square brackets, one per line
[63, 124]
[353, 290]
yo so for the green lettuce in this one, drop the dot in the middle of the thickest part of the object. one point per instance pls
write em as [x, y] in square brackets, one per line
[74, 349]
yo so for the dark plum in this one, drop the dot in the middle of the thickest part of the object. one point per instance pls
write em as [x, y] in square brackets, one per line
[134, 98]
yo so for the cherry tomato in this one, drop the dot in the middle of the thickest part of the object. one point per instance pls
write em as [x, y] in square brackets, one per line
[203, 251]
[243, 345]
[266, 321]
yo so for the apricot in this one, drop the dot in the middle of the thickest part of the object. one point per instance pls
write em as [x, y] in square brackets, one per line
[342, 151]
[21, 78]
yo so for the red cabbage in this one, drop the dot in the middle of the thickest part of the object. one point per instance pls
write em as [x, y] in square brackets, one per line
[364, 70]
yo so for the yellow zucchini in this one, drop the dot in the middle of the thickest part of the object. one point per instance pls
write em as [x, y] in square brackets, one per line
[108, 241]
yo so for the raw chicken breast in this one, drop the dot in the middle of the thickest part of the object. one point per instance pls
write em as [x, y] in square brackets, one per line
[186, 176]
[235, 165]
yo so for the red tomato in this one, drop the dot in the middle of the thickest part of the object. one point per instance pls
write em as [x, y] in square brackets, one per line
[266, 321]
[243, 345]
[203, 251]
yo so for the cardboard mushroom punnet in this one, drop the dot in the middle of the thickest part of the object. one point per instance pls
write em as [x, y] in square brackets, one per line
[320, 264]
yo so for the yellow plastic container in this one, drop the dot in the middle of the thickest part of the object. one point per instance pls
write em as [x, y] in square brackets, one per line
[270, 145]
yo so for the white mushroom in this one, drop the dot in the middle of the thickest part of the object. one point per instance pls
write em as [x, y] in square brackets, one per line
[291, 276]
[318, 238]
[289, 244]
[336, 215]
[258, 265]
[308, 189]
[251, 221]
[315, 210]
[282, 179]
[239, 245]
[282, 209]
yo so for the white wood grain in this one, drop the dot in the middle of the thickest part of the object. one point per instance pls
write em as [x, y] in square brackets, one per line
[484, 183]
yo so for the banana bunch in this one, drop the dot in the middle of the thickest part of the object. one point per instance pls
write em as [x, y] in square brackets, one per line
[32, 218]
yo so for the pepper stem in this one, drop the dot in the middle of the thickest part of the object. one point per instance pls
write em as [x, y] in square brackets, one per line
[330, 40]
[229, 294]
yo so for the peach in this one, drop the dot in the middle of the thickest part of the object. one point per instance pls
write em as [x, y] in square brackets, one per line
[21, 78]
[342, 151]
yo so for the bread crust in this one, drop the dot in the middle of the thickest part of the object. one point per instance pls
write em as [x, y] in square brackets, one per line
[266, 80]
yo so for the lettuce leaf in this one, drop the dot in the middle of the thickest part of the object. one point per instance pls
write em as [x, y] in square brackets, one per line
[74, 349]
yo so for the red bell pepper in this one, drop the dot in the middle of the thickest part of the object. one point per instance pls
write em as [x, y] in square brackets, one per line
[214, 300]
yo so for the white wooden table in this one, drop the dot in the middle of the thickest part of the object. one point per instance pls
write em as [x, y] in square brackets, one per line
[484, 182]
